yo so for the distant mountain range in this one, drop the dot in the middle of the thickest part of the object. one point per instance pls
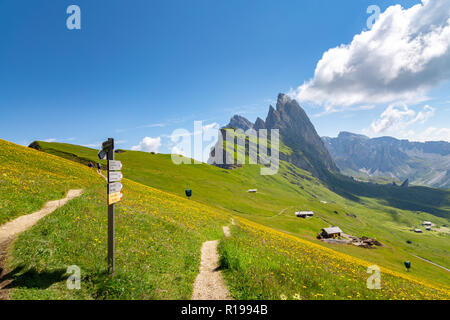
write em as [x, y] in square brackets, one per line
[379, 159]
[423, 163]
[329, 159]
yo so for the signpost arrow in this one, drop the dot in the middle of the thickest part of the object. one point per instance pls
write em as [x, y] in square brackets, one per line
[114, 187]
[114, 197]
[114, 165]
[115, 176]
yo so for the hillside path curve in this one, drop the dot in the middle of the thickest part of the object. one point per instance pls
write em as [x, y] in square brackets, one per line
[11, 229]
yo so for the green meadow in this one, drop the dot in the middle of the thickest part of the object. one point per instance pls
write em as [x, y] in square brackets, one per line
[271, 253]
[293, 189]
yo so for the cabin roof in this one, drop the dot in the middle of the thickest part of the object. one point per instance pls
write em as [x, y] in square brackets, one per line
[304, 212]
[332, 230]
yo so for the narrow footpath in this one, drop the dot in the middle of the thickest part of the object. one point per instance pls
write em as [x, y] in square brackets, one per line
[209, 284]
[11, 229]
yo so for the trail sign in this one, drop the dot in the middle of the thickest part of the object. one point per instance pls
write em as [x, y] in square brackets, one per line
[114, 165]
[114, 187]
[113, 193]
[114, 197]
[115, 176]
[108, 145]
[102, 155]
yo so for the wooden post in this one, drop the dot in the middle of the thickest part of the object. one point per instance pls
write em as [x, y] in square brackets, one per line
[111, 217]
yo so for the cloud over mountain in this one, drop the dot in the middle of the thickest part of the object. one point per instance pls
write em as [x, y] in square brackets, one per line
[406, 53]
[400, 117]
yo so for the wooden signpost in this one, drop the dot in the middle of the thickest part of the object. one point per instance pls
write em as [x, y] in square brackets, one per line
[114, 194]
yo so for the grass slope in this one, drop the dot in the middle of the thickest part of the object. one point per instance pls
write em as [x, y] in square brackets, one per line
[160, 234]
[29, 178]
[294, 189]
[158, 241]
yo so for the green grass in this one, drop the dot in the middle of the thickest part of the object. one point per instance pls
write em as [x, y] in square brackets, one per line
[158, 241]
[29, 178]
[294, 189]
[159, 235]
[259, 263]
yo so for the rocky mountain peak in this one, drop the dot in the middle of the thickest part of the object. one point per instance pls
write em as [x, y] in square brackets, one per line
[259, 124]
[296, 132]
[239, 122]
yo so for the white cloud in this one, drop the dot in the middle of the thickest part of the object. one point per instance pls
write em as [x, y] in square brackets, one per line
[338, 109]
[148, 144]
[399, 117]
[402, 122]
[212, 126]
[59, 140]
[92, 145]
[154, 125]
[405, 54]
[432, 134]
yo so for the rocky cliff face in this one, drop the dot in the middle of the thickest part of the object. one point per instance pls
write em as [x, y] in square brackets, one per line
[298, 133]
[307, 150]
[425, 163]
[239, 122]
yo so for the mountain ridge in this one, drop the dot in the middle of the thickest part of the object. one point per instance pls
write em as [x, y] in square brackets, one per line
[423, 163]
[296, 132]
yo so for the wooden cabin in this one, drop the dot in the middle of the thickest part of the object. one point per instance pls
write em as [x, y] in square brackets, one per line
[304, 214]
[331, 232]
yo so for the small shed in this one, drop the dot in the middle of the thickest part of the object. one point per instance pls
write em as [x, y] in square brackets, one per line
[252, 190]
[427, 223]
[304, 214]
[417, 230]
[428, 228]
[331, 232]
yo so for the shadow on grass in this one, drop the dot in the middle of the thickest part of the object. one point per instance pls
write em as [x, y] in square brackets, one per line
[414, 198]
[31, 278]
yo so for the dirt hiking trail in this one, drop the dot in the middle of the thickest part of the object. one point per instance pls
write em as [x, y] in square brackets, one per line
[209, 284]
[226, 231]
[11, 229]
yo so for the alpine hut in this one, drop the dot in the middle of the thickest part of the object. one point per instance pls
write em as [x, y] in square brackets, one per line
[331, 232]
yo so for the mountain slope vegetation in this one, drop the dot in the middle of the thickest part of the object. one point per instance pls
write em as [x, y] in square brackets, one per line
[159, 236]
[29, 178]
[293, 189]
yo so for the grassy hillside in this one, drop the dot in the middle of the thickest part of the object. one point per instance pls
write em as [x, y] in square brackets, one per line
[292, 189]
[158, 241]
[262, 263]
[417, 198]
[159, 236]
[29, 178]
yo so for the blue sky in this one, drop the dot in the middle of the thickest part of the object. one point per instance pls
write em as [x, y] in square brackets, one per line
[144, 68]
